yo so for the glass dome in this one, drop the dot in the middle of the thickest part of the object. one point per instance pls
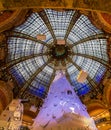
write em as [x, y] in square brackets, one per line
[33, 62]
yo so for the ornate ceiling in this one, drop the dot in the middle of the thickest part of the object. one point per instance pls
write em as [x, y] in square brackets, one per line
[34, 62]
[91, 52]
[90, 5]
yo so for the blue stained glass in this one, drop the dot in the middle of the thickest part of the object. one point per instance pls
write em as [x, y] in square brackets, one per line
[99, 74]
[39, 91]
[19, 78]
[84, 90]
[81, 88]
[98, 77]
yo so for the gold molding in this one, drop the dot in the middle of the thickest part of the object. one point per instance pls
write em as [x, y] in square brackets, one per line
[100, 22]
[12, 20]
[90, 5]
[107, 92]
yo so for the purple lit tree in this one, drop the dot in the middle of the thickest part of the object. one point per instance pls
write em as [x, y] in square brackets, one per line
[62, 109]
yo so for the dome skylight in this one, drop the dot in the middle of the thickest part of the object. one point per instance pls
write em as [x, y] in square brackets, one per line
[33, 61]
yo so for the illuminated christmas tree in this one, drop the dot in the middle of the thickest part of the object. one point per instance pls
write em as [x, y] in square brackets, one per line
[62, 109]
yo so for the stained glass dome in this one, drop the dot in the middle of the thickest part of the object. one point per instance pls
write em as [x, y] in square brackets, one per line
[34, 62]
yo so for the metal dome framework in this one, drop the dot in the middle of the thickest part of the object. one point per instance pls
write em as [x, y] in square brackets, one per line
[30, 62]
